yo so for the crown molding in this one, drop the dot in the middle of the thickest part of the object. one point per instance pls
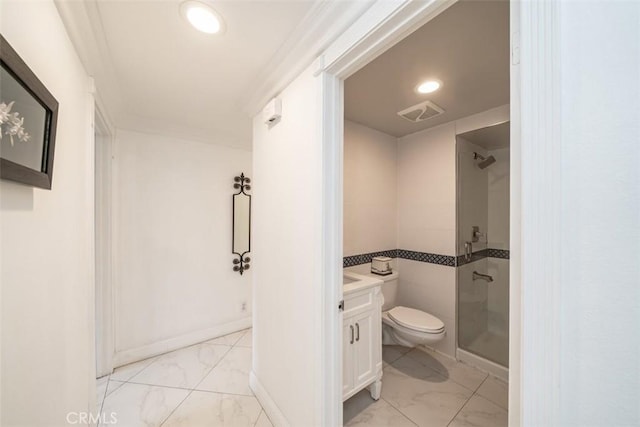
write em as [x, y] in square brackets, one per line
[323, 24]
[84, 27]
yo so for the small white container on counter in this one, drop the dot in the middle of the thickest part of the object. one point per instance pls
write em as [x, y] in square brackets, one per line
[381, 265]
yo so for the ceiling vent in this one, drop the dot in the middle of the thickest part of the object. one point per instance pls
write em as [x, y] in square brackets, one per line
[419, 112]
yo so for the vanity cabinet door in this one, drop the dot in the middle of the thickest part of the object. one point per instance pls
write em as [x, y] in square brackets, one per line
[364, 364]
[347, 356]
[361, 343]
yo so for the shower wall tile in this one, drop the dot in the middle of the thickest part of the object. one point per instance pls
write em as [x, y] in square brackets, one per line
[498, 298]
[498, 175]
[472, 195]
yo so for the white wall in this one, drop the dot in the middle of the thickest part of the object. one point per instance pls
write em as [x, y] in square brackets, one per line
[174, 280]
[370, 190]
[427, 223]
[47, 262]
[600, 190]
[287, 257]
[427, 190]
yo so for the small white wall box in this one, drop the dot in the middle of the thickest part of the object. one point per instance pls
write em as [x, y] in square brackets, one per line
[272, 112]
[381, 265]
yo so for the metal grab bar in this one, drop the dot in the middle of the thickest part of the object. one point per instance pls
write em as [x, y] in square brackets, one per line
[481, 276]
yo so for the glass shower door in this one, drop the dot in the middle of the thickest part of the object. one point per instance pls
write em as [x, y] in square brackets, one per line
[482, 242]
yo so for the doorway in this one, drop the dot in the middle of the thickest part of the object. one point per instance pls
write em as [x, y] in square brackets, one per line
[336, 70]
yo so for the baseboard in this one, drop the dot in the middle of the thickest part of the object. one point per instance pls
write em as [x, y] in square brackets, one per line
[125, 357]
[273, 412]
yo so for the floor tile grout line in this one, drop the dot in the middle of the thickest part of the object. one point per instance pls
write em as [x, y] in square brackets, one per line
[155, 359]
[159, 356]
[239, 338]
[182, 388]
[190, 390]
[176, 387]
[104, 396]
[159, 385]
[438, 374]
[473, 392]
[461, 408]
[491, 400]
[194, 388]
[176, 408]
[212, 368]
[224, 392]
[261, 411]
[400, 411]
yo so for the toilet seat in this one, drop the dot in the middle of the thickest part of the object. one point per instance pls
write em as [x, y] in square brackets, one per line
[416, 320]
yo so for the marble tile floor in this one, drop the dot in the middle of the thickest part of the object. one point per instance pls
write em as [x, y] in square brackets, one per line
[203, 385]
[207, 385]
[425, 388]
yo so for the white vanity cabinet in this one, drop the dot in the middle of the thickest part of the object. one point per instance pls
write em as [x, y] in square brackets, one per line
[362, 336]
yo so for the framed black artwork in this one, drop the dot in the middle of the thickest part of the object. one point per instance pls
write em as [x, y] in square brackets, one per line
[28, 118]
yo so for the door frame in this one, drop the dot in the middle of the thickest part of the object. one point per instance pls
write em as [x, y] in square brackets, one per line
[379, 28]
[104, 144]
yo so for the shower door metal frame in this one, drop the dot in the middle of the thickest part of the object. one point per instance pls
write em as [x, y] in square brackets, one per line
[492, 117]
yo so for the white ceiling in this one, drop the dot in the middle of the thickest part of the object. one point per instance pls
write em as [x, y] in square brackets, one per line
[466, 47]
[155, 73]
[167, 72]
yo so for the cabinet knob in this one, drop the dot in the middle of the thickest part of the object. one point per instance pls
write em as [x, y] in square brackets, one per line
[351, 326]
[357, 332]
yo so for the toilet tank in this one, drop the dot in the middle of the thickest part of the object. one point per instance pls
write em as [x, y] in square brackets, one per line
[389, 290]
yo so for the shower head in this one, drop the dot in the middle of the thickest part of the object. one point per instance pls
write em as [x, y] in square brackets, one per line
[485, 162]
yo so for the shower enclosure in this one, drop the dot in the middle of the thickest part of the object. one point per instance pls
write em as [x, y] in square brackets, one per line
[482, 171]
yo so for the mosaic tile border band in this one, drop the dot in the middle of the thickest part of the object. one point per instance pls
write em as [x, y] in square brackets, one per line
[498, 253]
[427, 257]
[350, 261]
[462, 260]
[447, 260]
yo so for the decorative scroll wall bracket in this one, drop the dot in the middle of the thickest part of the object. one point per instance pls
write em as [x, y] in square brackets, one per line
[241, 224]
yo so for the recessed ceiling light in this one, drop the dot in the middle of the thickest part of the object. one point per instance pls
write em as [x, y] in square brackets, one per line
[202, 16]
[429, 86]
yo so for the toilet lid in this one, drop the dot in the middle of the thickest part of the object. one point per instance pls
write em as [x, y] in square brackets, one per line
[416, 319]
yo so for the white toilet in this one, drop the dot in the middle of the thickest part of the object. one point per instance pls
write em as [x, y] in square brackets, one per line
[403, 325]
